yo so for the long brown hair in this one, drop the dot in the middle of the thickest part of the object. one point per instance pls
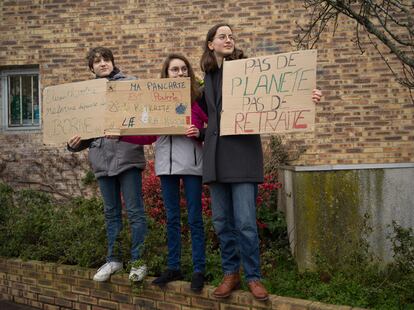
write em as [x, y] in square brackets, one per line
[208, 61]
[195, 93]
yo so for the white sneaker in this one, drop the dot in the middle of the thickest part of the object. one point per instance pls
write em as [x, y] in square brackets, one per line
[138, 274]
[106, 270]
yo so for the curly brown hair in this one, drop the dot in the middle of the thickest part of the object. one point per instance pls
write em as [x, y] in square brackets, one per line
[99, 51]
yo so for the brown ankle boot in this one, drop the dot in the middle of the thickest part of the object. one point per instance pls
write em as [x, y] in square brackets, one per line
[258, 290]
[230, 283]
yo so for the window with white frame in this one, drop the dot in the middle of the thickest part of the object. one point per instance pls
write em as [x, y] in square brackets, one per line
[21, 100]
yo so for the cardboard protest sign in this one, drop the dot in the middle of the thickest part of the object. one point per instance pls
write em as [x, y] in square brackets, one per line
[269, 94]
[148, 107]
[131, 107]
[73, 109]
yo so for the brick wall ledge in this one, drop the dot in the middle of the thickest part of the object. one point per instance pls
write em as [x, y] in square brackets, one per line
[347, 167]
[52, 286]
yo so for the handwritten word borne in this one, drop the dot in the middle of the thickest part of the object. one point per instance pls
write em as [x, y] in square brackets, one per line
[72, 109]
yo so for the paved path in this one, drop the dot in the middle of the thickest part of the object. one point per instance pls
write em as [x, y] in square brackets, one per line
[8, 305]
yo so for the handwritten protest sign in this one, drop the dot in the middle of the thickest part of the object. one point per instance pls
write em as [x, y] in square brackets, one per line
[73, 109]
[270, 94]
[131, 107]
[153, 106]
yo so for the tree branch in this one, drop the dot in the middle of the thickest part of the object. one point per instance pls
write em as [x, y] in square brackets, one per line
[370, 27]
[383, 23]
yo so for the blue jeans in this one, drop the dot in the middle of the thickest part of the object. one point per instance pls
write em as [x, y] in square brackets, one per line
[234, 220]
[129, 183]
[170, 185]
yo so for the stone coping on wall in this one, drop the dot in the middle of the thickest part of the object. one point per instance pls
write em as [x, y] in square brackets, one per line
[347, 167]
[52, 286]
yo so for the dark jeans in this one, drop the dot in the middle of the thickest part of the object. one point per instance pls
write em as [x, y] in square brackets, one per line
[129, 183]
[234, 220]
[171, 194]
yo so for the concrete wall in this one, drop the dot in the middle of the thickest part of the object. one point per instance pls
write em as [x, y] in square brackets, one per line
[331, 210]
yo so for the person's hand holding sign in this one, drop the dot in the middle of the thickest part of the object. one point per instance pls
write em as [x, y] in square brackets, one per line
[316, 95]
[74, 142]
[192, 132]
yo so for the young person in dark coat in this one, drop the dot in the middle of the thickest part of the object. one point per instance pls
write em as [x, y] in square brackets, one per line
[233, 167]
[118, 167]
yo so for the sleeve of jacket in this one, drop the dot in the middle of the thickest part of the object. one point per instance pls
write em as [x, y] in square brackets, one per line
[202, 135]
[203, 107]
[142, 140]
[202, 102]
[84, 144]
[198, 117]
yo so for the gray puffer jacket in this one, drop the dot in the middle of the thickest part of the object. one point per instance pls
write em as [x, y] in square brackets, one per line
[110, 157]
[178, 155]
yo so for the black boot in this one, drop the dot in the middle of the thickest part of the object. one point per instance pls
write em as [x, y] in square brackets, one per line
[168, 276]
[197, 282]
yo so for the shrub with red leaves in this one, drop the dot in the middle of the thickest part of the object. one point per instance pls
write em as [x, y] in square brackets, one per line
[151, 188]
[271, 224]
[151, 191]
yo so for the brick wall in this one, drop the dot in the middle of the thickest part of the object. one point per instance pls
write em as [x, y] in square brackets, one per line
[364, 117]
[51, 286]
[26, 163]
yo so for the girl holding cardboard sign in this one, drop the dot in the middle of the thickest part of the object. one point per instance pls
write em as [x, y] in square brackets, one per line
[180, 158]
[232, 166]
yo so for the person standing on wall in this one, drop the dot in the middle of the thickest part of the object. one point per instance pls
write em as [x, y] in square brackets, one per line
[179, 158]
[233, 168]
[118, 167]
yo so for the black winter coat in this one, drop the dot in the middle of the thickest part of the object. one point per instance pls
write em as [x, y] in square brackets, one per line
[227, 159]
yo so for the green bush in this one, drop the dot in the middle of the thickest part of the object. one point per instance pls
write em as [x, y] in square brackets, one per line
[6, 203]
[32, 226]
[76, 234]
[154, 251]
[25, 220]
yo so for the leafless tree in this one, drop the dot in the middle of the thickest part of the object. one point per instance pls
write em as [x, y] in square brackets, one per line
[390, 21]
